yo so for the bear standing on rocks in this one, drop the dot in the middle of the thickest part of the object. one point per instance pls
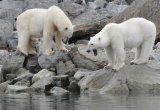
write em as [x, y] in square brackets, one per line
[43, 23]
[136, 33]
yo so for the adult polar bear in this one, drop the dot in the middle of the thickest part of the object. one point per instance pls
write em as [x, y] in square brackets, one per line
[35, 23]
[134, 33]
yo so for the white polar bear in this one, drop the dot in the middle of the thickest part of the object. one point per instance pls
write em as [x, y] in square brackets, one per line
[136, 33]
[43, 23]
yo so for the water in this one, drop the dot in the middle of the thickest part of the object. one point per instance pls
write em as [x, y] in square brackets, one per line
[78, 102]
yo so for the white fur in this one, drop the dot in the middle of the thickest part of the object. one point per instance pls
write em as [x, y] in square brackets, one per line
[45, 23]
[136, 33]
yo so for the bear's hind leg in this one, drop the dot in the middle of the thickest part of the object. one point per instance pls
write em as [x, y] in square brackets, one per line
[137, 55]
[145, 51]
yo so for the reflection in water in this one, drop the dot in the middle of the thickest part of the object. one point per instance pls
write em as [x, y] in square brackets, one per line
[78, 102]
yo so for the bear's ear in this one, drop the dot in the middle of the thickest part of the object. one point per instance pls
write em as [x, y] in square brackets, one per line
[91, 38]
[99, 38]
[66, 28]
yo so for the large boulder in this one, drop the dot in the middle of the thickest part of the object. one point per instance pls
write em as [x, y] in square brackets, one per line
[44, 84]
[82, 59]
[42, 74]
[46, 62]
[17, 89]
[131, 79]
[6, 30]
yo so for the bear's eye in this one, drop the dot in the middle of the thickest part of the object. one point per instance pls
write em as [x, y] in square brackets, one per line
[66, 28]
[91, 44]
[99, 38]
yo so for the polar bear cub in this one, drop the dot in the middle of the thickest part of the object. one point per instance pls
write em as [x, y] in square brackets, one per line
[136, 33]
[43, 23]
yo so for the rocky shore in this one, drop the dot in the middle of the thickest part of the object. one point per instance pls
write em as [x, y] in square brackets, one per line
[77, 71]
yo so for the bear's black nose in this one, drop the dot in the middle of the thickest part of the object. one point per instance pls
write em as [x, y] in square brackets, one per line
[88, 51]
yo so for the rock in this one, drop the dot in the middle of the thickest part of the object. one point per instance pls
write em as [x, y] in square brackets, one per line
[61, 80]
[6, 30]
[11, 59]
[82, 61]
[27, 76]
[12, 4]
[65, 67]
[23, 82]
[80, 74]
[3, 86]
[129, 1]
[44, 84]
[40, 3]
[12, 43]
[97, 4]
[72, 9]
[131, 79]
[115, 9]
[82, 42]
[17, 89]
[32, 64]
[148, 9]
[1, 74]
[10, 77]
[47, 62]
[74, 87]
[11, 62]
[58, 91]
[41, 74]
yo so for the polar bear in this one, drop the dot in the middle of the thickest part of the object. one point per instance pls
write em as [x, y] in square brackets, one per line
[44, 24]
[136, 33]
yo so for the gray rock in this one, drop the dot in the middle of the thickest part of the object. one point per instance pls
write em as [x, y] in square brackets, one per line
[3, 86]
[130, 1]
[82, 42]
[1, 74]
[115, 9]
[97, 4]
[17, 89]
[74, 87]
[82, 61]
[72, 9]
[6, 30]
[10, 77]
[32, 64]
[58, 91]
[61, 80]
[27, 76]
[131, 79]
[65, 68]
[12, 43]
[23, 82]
[40, 3]
[44, 84]
[41, 74]
[51, 61]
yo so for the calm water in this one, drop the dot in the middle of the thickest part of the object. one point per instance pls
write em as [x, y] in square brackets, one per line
[78, 102]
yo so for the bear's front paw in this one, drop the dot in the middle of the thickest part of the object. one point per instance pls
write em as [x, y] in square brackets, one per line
[50, 52]
[64, 50]
[109, 66]
[118, 67]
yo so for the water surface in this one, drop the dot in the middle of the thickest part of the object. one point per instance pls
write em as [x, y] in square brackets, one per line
[78, 102]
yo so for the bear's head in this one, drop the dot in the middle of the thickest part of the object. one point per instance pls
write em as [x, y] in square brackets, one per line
[67, 33]
[99, 41]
